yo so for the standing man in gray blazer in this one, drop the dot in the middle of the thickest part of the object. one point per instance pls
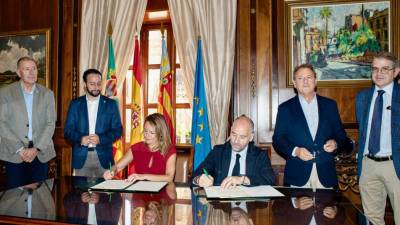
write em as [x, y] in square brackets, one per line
[27, 122]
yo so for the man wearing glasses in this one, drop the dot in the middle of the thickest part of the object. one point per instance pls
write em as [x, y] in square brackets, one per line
[378, 116]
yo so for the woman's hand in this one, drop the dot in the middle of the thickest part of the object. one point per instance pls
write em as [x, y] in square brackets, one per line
[135, 176]
[108, 175]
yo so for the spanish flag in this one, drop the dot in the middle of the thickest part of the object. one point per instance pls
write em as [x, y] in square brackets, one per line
[136, 105]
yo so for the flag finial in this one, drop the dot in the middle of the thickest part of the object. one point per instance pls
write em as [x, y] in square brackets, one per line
[109, 29]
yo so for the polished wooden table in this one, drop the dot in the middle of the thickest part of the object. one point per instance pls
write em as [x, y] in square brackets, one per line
[66, 201]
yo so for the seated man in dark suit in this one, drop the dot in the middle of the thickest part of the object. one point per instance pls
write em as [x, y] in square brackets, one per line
[237, 162]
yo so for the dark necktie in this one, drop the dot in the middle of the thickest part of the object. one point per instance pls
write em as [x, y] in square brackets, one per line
[236, 167]
[376, 122]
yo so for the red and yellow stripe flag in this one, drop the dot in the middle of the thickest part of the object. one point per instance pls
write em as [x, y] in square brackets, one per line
[165, 95]
[136, 105]
[111, 92]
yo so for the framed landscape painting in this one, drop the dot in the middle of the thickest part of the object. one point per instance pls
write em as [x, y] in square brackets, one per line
[14, 45]
[339, 38]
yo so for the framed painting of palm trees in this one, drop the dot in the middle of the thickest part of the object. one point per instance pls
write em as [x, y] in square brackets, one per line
[339, 38]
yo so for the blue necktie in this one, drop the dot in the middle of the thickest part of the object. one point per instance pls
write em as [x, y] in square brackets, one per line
[376, 122]
[236, 167]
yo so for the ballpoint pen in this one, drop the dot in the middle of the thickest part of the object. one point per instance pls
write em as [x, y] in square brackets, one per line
[206, 173]
[111, 172]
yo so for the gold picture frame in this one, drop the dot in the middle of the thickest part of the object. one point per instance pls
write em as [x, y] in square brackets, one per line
[33, 43]
[339, 38]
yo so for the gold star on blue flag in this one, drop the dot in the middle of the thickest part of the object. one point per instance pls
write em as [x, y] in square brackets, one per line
[200, 127]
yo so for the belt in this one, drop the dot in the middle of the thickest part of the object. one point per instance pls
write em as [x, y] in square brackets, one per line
[92, 149]
[379, 159]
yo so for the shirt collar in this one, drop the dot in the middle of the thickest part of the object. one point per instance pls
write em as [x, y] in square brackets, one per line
[388, 89]
[303, 100]
[242, 153]
[96, 99]
[26, 92]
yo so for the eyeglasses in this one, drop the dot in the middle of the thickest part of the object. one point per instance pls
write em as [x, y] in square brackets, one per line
[384, 70]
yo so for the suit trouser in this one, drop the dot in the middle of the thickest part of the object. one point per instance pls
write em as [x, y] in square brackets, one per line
[19, 174]
[91, 168]
[379, 180]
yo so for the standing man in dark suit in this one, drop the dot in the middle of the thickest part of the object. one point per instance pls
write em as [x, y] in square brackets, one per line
[27, 122]
[237, 162]
[378, 116]
[93, 124]
[308, 132]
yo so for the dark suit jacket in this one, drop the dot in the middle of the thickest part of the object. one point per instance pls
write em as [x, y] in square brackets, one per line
[108, 128]
[284, 212]
[258, 165]
[108, 208]
[291, 130]
[363, 103]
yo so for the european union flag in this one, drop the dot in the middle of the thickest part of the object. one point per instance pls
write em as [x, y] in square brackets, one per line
[200, 129]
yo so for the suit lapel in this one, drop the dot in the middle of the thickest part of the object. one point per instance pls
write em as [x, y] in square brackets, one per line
[20, 103]
[250, 159]
[84, 112]
[367, 103]
[100, 109]
[226, 159]
[395, 114]
[321, 118]
[35, 104]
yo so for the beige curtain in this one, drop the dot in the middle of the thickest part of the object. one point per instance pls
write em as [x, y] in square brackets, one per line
[185, 34]
[215, 21]
[126, 18]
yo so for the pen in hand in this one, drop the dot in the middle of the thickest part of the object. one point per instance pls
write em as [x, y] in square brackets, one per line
[111, 171]
[206, 173]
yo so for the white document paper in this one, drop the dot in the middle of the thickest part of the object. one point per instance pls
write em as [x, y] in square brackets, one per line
[147, 186]
[112, 185]
[242, 192]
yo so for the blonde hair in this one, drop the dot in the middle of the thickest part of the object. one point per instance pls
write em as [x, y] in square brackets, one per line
[163, 136]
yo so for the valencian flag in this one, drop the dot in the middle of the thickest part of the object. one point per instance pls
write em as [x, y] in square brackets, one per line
[165, 95]
[111, 92]
[136, 105]
[200, 128]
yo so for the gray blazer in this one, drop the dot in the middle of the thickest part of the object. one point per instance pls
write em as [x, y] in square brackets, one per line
[14, 202]
[14, 122]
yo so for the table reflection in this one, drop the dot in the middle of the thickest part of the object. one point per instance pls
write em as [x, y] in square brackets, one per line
[66, 200]
[302, 206]
[30, 201]
[150, 208]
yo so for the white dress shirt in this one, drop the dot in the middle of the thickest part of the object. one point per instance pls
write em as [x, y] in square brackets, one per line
[93, 106]
[386, 130]
[310, 111]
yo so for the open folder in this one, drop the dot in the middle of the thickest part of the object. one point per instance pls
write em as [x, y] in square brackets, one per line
[263, 191]
[124, 186]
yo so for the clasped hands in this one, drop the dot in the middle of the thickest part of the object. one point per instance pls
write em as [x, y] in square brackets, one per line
[87, 197]
[305, 202]
[28, 154]
[305, 155]
[90, 139]
[228, 182]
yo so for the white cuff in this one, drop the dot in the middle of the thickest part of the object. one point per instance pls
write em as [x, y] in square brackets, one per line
[22, 148]
[294, 151]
